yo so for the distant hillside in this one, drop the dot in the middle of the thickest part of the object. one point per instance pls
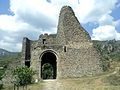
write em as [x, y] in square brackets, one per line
[8, 59]
[110, 52]
[4, 52]
[109, 49]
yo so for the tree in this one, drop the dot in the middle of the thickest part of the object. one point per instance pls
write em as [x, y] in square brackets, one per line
[47, 71]
[23, 76]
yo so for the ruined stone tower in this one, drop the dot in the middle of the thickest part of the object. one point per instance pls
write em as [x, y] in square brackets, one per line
[70, 52]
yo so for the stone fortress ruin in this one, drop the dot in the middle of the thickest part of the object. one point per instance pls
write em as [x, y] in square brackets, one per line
[70, 52]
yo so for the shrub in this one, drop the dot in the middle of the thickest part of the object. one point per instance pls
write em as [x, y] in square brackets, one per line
[23, 75]
[47, 71]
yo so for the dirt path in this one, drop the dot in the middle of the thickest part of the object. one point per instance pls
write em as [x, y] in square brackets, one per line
[50, 85]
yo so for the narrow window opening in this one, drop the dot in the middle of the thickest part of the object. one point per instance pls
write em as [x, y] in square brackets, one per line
[44, 41]
[65, 49]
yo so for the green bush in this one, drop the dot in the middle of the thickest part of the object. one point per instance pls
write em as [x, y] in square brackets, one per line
[47, 71]
[23, 75]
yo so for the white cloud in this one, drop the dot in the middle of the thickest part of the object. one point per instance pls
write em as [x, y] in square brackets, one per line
[107, 26]
[106, 29]
[7, 23]
[106, 32]
[92, 10]
[10, 46]
[33, 17]
[84, 9]
[35, 12]
[106, 20]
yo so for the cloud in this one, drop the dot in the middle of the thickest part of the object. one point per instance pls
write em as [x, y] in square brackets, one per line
[106, 20]
[106, 32]
[106, 29]
[7, 23]
[92, 10]
[30, 19]
[38, 13]
[33, 17]
[10, 46]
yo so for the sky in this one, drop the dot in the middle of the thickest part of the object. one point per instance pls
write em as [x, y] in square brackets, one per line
[30, 18]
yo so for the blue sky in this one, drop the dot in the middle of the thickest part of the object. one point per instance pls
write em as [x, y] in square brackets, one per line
[30, 18]
[4, 7]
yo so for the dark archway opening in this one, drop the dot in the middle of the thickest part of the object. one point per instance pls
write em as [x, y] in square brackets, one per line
[48, 66]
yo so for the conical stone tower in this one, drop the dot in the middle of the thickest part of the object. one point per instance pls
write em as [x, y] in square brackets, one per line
[80, 58]
[70, 52]
[69, 28]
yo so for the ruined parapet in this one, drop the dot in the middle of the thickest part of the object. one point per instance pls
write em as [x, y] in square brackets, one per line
[47, 39]
[69, 28]
[26, 54]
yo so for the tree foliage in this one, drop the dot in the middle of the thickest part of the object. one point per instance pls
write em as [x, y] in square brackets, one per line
[23, 75]
[47, 71]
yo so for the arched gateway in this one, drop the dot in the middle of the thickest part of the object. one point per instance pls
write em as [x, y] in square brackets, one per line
[68, 54]
[48, 65]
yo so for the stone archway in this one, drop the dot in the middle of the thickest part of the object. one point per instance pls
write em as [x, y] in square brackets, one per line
[48, 65]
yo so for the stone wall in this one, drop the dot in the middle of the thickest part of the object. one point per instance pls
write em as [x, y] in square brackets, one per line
[79, 62]
[72, 47]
